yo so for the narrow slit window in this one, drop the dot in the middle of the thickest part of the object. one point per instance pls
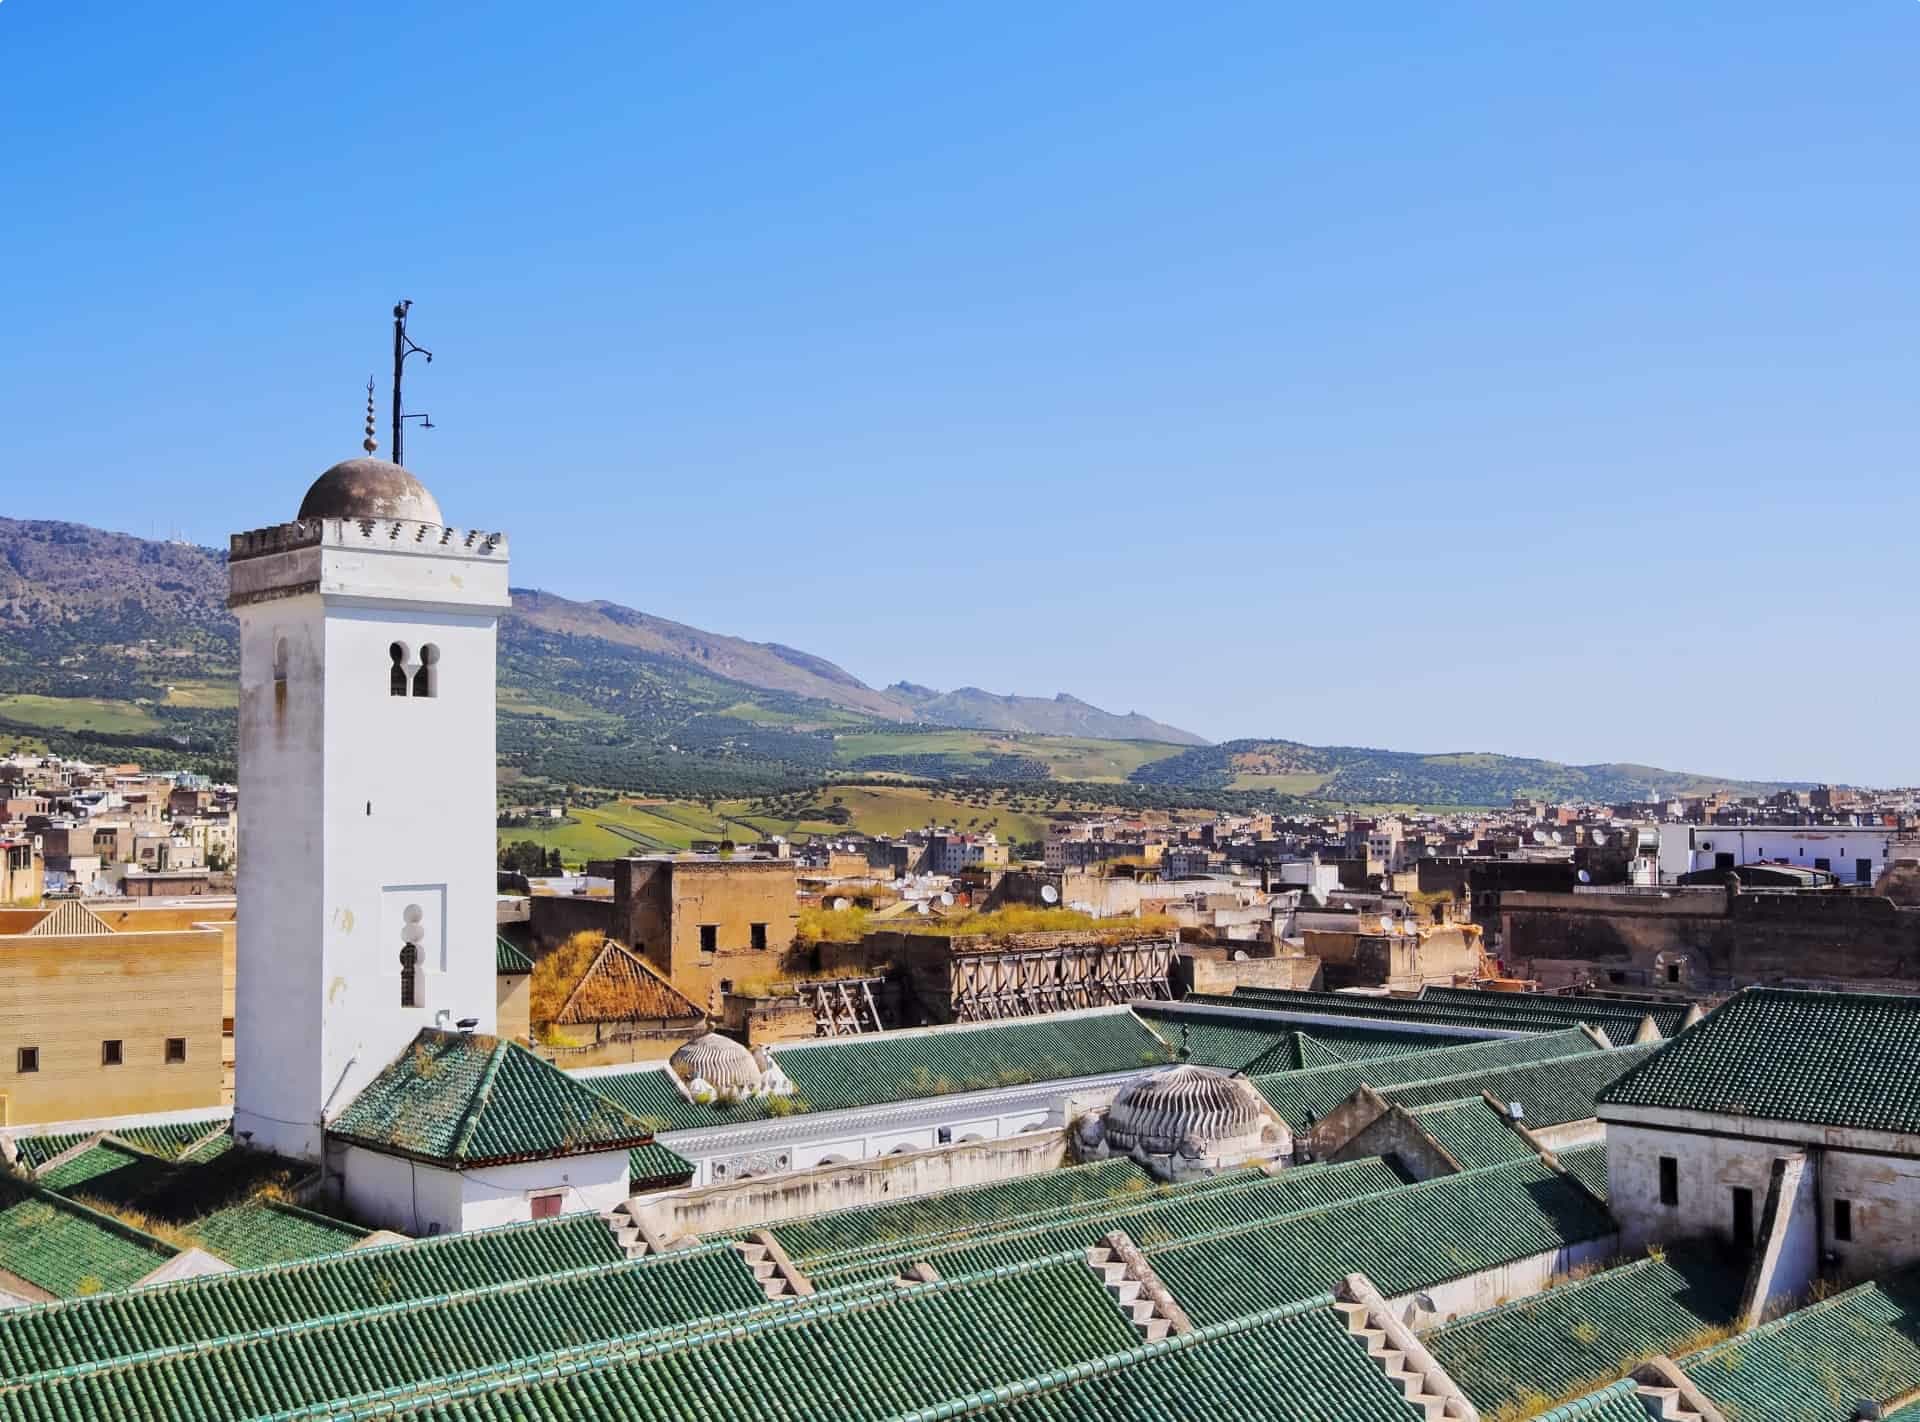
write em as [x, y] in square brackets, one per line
[1669, 1180]
[1843, 1221]
[397, 677]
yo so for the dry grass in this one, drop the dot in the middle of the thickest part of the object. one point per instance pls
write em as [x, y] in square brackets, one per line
[555, 975]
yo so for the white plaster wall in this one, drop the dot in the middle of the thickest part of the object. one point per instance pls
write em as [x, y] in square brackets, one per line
[1710, 1167]
[357, 801]
[1884, 1192]
[1683, 847]
[1517, 1279]
[502, 1194]
[1795, 1254]
[392, 1193]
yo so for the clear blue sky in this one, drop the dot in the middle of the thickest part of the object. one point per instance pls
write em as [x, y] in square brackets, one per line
[1506, 376]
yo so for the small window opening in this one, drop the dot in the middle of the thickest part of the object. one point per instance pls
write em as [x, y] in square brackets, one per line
[412, 931]
[545, 1207]
[426, 681]
[110, 1052]
[946, 1135]
[1673, 972]
[1843, 1221]
[27, 1059]
[709, 938]
[176, 1050]
[1742, 1217]
[1669, 1180]
[397, 677]
[758, 935]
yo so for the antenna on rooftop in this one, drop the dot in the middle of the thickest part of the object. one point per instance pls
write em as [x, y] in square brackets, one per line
[403, 346]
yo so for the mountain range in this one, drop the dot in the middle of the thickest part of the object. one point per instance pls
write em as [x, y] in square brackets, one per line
[108, 641]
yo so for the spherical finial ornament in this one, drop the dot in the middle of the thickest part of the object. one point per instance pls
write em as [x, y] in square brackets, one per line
[369, 444]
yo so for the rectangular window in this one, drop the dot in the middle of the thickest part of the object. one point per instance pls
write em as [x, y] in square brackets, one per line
[1843, 1221]
[946, 1135]
[758, 933]
[545, 1207]
[27, 1059]
[709, 938]
[176, 1050]
[1669, 1180]
[1673, 972]
[1742, 1217]
[110, 1052]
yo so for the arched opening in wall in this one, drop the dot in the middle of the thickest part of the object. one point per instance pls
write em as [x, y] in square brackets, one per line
[412, 930]
[426, 681]
[831, 1160]
[397, 677]
[279, 671]
[971, 1137]
[904, 1148]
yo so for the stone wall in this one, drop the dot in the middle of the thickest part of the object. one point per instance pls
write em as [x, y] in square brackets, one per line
[1214, 970]
[882, 1180]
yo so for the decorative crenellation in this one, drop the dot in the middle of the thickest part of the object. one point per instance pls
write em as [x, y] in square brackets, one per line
[397, 534]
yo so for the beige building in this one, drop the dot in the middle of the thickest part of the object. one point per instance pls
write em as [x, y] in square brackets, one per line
[22, 876]
[114, 1012]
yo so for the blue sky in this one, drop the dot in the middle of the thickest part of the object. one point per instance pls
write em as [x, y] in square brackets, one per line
[1503, 376]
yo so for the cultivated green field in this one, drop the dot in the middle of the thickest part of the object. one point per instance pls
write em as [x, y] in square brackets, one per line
[79, 713]
[1068, 757]
[203, 695]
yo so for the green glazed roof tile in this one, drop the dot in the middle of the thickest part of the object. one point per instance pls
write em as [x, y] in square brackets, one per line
[68, 1249]
[509, 959]
[462, 1099]
[1822, 1058]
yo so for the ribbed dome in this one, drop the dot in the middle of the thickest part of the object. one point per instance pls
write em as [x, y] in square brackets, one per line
[1184, 1104]
[370, 488]
[719, 1061]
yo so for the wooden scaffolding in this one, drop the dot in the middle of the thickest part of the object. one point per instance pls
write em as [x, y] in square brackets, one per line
[989, 986]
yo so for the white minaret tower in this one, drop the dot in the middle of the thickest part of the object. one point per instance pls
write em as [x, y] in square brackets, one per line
[366, 878]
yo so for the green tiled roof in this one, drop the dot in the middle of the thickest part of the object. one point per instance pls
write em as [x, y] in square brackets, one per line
[199, 1310]
[1618, 1403]
[1823, 1058]
[1166, 1214]
[68, 1249]
[381, 1347]
[1554, 1091]
[654, 1165]
[1667, 1016]
[1404, 1239]
[262, 1232]
[1295, 1094]
[1508, 1012]
[1813, 1365]
[846, 1072]
[461, 1099]
[1244, 1042]
[849, 1360]
[164, 1140]
[1472, 1132]
[1294, 1364]
[509, 959]
[1583, 1334]
[1590, 1165]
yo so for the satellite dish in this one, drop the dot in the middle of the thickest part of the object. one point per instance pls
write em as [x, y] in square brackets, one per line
[1555, 836]
[1049, 894]
[921, 908]
[1539, 836]
[839, 904]
[946, 899]
[1386, 923]
[1585, 877]
[1598, 836]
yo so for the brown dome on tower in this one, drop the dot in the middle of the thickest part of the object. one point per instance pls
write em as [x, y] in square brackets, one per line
[370, 488]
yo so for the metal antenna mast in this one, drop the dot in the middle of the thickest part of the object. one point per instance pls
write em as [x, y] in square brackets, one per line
[403, 346]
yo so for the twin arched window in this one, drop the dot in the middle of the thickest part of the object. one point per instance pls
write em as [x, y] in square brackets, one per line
[420, 678]
[412, 930]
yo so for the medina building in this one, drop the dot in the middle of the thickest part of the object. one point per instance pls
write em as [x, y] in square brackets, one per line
[366, 978]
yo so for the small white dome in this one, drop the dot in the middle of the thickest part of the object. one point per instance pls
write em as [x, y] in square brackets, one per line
[1190, 1109]
[719, 1062]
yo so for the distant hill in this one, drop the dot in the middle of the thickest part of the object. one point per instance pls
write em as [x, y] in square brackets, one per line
[1360, 775]
[1063, 715]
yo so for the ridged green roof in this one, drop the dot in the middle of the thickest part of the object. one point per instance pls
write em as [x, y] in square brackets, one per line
[461, 1099]
[653, 1165]
[1509, 1012]
[1618, 1403]
[1472, 1132]
[1590, 1166]
[1823, 1058]
[1404, 1239]
[509, 959]
[1317, 1091]
[198, 1310]
[871, 1357]
[1297, 1364]
[1169, 1213]
[1554, 1091]
[1667, 1016]
[68, 1249]
[847, 1072]
[383, 1346]
[1584, 1334]
[165, 1140]
[261, 1232]
[1813, 1365]
[1245, 1043]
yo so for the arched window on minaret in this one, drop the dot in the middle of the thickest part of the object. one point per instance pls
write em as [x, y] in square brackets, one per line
[279, 671]
[411, 932]
[426, 681]
[397, 678]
